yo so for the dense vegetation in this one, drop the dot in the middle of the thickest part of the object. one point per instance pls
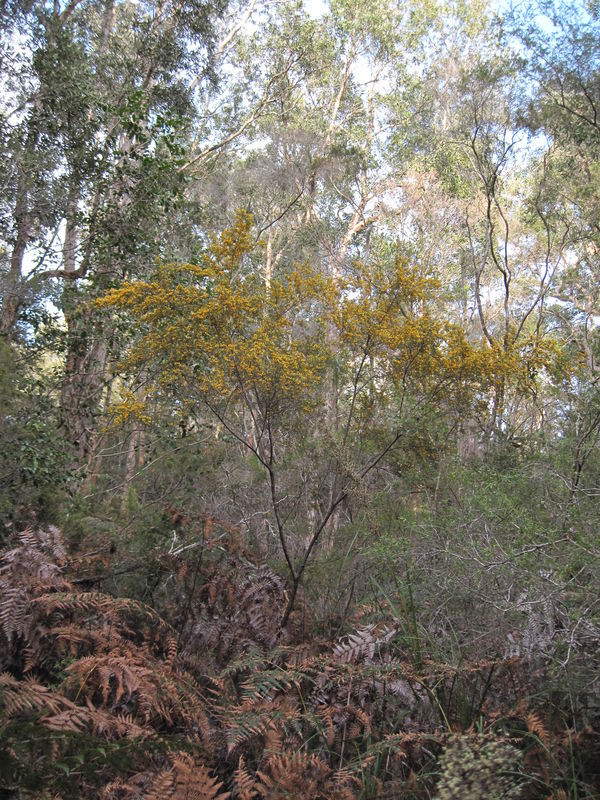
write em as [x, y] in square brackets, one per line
[299, 401]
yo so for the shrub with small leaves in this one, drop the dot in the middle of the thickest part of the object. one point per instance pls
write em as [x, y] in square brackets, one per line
[474, 768]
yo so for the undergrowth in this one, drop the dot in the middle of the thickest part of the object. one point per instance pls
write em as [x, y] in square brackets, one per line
[102, 696]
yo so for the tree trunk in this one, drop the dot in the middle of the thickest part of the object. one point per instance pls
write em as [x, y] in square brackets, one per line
[13, 292]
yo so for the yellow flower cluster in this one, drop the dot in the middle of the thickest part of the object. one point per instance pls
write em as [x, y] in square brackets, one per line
[128, 408]
[220, 327]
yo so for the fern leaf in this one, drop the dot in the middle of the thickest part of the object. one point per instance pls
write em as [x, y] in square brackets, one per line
[22, 696]
[536, 726]
[244, 782]
[162, 786]
[13, 611]
[193, 781]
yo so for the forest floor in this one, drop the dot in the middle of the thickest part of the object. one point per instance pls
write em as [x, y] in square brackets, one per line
[197, 692]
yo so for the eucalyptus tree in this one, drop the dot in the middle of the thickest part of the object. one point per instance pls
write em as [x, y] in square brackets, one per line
[98, 98]
[91, 88]
[501, 258]
[562, 111]
[564, 64]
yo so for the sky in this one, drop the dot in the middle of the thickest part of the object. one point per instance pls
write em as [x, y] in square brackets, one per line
[315, 8]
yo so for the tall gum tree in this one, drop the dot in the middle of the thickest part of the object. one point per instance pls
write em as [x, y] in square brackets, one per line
[563, 110]
[93, 135]
[507, 258]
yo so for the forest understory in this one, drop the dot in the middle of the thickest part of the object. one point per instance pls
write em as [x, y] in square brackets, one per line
[299, 399]
[197, 692]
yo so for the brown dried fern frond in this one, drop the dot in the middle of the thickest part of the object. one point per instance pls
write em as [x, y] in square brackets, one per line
[412, 748]
[365, 644]
[47, 540]
[162, 786]
[133, 618]
[300, 775]
[193, 781]
[244, 784]
[272, 721]
[292, 775]
[93, 720]
[237, 609]
[111, 680]
[31, 568]
[538, 727]
[346, 781]
[14, 611]
[185, 778]
[326, 715]
[149, 690]
[24, 696]
[76, 639]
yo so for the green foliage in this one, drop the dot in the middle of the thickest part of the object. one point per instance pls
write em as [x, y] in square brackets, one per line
[34, 465]
[64, 761]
